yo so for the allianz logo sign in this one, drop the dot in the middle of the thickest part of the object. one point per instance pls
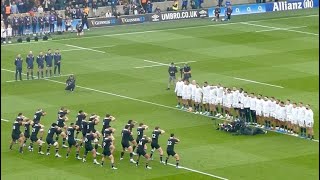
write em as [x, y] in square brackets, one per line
[284, 5]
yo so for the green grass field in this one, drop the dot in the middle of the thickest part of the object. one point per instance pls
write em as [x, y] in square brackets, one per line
[108, 81]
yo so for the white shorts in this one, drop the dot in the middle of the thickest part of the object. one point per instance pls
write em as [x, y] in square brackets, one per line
[235, 105]
[309, 125]
[289, 118]
[218, 100]
[228, 105]
[185, 97]
[179, 94]
[205, 100]
[258, 112]
[212, 101]
[301, 123]
[295, 122]
[266, 114]
[281, 118]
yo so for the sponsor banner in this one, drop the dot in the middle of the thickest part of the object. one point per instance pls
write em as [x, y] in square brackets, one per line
[132, 19]
[291, 5]
[99, 22]
[168, 16]
[241, 9]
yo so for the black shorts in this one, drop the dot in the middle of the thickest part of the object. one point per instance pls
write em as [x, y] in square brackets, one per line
[236, 109]
[15, 137]
[88, 147]
[131, 138]
[33, 138]
[27, 135]
[79, 30]
[141, 152]
[171, 153]
[30, 67]
[49, 65]
[155, 146]
[94, 131]
[72, 142]
[125, 144]
[59, 132]
[40, 66]
[50, 141]
[106, 153]
[179, 97]
[84, 133]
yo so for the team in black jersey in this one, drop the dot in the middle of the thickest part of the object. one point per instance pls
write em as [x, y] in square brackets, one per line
[33, 130]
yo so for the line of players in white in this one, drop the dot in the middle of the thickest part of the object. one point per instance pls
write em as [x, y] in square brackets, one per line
[215, 100]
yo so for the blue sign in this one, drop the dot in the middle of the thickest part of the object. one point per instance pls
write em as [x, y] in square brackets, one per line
[291, 5]
[241, 9]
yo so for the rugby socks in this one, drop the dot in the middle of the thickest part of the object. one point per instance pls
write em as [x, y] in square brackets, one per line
[57, 138]
[46, 73]
[102, 163]
[64, 141]
[151, 154]
[38, 73]
[147, 164]
[25, 141]
[85, 154]
[28, 75]
[20, 149]
[131, 155]
[177, 163]
[50, 72]
[48, 148]
[11, 146]
[32, 74]
[40, 147]
[57, 150]
[77, 153]
[133, 148]
[161, 158]
[55, 70]
[112, 165]
[167, 160]
[42, 74]
[96, 146]
[31, 145]
[122, 153]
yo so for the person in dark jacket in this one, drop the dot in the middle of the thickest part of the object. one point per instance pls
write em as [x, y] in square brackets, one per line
[229, 12]
[71, 83]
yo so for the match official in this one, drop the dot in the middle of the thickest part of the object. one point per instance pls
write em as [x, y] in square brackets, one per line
[186, 70]
[172, 74]
[57, 62]
[71, 83]
[18, 64]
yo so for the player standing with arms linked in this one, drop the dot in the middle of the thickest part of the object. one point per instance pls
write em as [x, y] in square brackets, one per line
[57, 62]
[186, 70]
[18, 63]
[29, 61]
[172, 74]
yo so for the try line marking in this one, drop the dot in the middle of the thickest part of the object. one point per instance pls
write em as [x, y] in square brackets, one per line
[80, 48]
[36, 78]
[160, 64]
[124, 97]
[134, 99]
[276, 28]
[258, 82]
[164, 30]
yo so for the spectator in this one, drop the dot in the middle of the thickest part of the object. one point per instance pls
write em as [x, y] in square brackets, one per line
[7, 10]
[108, 14]
[3, 7]
[200, 2]
[59, 22]
[175, 5]
[184, 4]
[135, 9]
[86, 10]
[193, 4]
[149, 7]
[40, 9]
[78, 12]
[126, 9]
[14, 8]
[94, 8]
[68, 24]
[157, 10]
[113, 6]
[46, 4]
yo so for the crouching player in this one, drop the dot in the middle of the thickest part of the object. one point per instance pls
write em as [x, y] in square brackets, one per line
[107, 143]
[70, 83]
[72, 141]
[141, 150]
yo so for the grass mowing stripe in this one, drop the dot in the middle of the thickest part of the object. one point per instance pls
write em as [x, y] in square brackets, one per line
[126, 97]
[170, 29]
[196, 171]
[258, 82]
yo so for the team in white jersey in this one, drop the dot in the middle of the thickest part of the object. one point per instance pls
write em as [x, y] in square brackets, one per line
[271, 113]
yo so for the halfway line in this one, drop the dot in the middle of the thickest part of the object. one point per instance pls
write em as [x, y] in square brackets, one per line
[258, 82]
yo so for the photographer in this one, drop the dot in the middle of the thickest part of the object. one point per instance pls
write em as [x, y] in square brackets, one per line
[229, 12]
[70, 83]
[79, 28]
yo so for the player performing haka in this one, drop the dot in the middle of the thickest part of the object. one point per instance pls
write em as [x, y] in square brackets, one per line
[170, 149]
[141, 151]
[154, 143]
[126, 136]
[107, 152]
[72, 141]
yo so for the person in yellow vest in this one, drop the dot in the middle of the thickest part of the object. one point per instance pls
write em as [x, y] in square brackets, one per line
[86, 10]
[175, 5]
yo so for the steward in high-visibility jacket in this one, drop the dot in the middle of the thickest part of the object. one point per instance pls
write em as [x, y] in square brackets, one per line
[175, 5]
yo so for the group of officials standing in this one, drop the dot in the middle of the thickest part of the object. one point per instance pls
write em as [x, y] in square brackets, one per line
[47, 60]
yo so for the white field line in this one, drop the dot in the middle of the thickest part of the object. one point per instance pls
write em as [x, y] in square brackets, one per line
[161, 64]
[170, 29]
[126, 97]
[36, 78]
[89, 49]
[5, 120]
[196, 171]
[291, 30]
[279, 29]
[66, 50]
[258, 82]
